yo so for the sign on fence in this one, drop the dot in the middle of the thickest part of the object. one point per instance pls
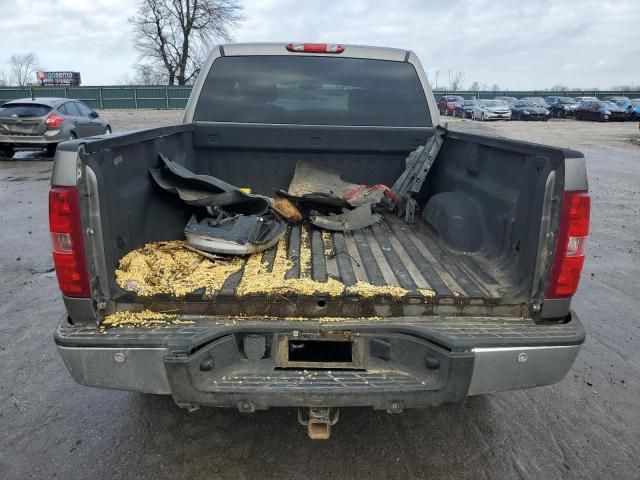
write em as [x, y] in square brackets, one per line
[59, 78]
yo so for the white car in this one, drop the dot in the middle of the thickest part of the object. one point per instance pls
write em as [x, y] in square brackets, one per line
[585, 99]
[491, 110]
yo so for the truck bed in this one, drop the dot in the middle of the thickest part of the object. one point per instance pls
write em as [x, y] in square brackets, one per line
[477, 255]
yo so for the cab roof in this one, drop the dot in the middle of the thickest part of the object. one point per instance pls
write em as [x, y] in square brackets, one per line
[350, 51]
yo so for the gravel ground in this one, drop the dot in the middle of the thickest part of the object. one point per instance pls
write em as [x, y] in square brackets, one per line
[122, 120]
[585, 427]
[567, 133]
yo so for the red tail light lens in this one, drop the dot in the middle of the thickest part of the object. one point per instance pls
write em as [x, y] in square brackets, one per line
[570, 246]
[53, 120]
[315, 47]
[66, 242]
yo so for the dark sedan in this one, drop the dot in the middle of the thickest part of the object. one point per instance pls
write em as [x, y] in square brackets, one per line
[464, 109]
[527, 110]
[561, 106]
[601, 111]
[37, 123]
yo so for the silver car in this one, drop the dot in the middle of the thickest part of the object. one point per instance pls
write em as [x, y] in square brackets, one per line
[37, 123]
[491, 110]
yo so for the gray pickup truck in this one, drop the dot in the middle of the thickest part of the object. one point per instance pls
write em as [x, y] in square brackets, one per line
[498, 241]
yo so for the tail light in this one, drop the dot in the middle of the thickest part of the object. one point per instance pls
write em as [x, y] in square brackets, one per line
[570, 246]
[53, 120]
[315, 47]
[66, 242]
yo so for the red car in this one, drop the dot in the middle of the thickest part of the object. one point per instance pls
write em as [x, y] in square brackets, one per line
[447, 104]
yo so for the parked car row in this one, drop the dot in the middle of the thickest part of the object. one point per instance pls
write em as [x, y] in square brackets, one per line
[42, 123]
[538, 108]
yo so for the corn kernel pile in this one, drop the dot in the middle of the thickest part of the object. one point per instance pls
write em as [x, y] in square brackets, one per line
[170, 268]
[145, 318]
[174, 269]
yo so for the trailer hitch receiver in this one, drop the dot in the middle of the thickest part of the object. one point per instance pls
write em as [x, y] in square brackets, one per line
[319, 421]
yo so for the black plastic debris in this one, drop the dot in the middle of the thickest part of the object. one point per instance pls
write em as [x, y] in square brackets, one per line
[206, 191]
[234, 235]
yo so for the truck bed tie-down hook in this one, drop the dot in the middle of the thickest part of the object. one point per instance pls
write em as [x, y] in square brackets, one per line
[319, 421]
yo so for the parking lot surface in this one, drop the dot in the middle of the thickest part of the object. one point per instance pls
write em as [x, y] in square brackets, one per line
[586, 427]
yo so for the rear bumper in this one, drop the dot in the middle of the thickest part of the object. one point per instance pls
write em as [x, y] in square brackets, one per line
[412, 365]
[32, 140]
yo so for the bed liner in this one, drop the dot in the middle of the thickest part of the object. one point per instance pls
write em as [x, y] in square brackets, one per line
[391, 255]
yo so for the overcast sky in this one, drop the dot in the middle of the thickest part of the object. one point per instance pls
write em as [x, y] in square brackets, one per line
[579, 43]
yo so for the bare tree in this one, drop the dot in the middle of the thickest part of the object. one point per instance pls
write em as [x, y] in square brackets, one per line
[175, 34]
[151, 75]
[22, 67]
[475, 86]
[455, 80]
[126, 79]
[495, 87]
[4, 79]
[559, 87]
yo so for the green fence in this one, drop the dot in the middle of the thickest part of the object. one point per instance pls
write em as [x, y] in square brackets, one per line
[164, 97]
[133, 97]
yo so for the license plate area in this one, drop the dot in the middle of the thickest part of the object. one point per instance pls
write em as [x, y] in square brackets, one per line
[320, 351]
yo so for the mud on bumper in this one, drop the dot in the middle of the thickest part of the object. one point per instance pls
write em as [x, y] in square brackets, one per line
[401, 364]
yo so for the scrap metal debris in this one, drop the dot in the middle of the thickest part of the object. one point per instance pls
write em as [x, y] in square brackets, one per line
[346, 205]
[355, 219]
[319, 184]
[322, 185]
[418, 164]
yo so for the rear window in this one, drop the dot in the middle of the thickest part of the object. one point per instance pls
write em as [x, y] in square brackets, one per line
[24, 110]
[309, 90]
